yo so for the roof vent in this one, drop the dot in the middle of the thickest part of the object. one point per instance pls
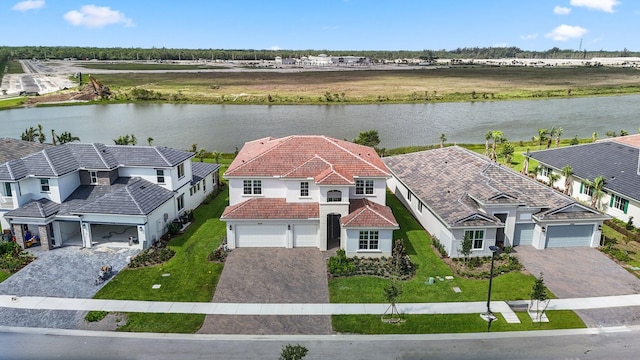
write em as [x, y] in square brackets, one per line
[142, 187]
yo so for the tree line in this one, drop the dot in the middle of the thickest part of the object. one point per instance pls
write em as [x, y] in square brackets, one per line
[134, 53]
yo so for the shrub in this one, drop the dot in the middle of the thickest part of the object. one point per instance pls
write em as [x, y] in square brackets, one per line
[219, 254]
[340, 265]
[152, 256]
[438, 245]
[95, 316]
[293, 352]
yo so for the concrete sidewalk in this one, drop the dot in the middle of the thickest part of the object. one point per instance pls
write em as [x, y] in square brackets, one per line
[54, 303]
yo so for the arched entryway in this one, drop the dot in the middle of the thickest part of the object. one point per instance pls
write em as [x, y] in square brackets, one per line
[333, 231]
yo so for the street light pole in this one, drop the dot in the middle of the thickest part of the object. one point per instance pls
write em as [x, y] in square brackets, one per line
[488, 316]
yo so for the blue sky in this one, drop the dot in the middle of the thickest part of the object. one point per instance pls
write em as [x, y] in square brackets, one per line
[327, 24]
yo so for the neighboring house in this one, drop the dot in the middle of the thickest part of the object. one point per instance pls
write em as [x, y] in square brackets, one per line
[455, 192]
[616, 159]
[71, 193]
[309, 191]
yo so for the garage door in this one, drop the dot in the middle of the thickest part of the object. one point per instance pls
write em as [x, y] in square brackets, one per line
[569, 235]
[523, 234]
[261, 235]
[305, 235]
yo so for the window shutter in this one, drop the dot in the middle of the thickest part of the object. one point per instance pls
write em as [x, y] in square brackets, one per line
[611, 200]
[626, 206]
[581, 186]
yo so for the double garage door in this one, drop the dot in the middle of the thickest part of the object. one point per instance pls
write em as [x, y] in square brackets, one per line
[304, 235]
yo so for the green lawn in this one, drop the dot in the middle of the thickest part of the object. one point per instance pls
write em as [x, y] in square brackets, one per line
[11, 103]
[364, 289]
[461, 323]
[4, 275]
[192, 276]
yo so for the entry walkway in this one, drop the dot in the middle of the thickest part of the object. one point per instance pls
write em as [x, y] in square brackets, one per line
[55, 303]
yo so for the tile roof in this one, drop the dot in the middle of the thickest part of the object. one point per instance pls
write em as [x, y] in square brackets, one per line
[631, 140]
[51, 161]
[617, 162]
[454, 182]
[272, 209]
[199, 170]
[11, 149]
[126, 196]
[329, 161]
[365, 213]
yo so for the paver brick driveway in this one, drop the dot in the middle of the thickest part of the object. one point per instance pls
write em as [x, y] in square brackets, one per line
[584, 272]
[271, 275]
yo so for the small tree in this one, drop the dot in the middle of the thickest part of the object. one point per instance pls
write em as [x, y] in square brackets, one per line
[293, 352]
[467, 245]
[539, 298]
[507, 152]
[393, 289]
[443, 138]
[150, 141]
[368, 138]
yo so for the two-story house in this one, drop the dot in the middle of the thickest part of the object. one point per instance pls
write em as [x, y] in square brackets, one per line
[455, 193]
[309, 191]
[90, 193]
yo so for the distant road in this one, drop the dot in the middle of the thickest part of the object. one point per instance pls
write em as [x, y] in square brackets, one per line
[604, 343]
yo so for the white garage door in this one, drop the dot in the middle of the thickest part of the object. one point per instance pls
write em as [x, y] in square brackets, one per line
[569, 235]
[261, 235]
[523, 234]
[305, 235]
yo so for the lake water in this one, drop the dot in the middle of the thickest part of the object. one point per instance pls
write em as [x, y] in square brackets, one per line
[225, 127]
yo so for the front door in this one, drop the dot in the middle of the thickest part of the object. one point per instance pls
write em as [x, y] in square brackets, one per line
[500, 231]
[333, 231]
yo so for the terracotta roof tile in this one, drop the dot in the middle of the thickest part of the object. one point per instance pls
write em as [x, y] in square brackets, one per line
[364, 213]
[269, 208]
[306, 156]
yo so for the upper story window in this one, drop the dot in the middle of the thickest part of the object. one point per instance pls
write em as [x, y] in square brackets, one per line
[409, 195]
[44, 185]
[252, 187]
[334, 196]
[304, 188]
[368, 240]
[546, 171]
[477, 237]
[420, 206]
[93, 177]
[364, 187]
[160, 175]
[181, 171]
[619, 203]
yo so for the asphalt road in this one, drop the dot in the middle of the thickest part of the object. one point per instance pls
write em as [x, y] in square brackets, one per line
[603, 343]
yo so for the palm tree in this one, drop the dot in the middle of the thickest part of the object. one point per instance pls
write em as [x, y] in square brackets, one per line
[507, 152]
[594, 136]
[443, 138]
[41, 136]
[497, 138]
[487, 137]
[542, 136]
[558, 133]
[550, 136]
[66, 137]
[150, 140]
[553, 177]
[200, 154]
[567, 172]
[216, 156]
[53, 137]
[598, 184]
[30, 134]
[525, 164]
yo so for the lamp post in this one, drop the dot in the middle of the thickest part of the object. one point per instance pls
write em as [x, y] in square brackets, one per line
[489, 314]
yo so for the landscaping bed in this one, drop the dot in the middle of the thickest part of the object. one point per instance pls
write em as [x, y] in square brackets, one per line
[13, 258]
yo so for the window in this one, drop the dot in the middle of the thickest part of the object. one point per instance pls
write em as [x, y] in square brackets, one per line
[546, 171]
[204, 185]
[304, 188]
[420, 207]
[409, 195]
[160, 176]
[364, 187]
[93, 175]
[334, 196]
[198, 186]
[477, 237]
[368, 240]
[586, 189]
[181, 171]
[619, 203]
[252, 187]
[180, 201]
[44, 185]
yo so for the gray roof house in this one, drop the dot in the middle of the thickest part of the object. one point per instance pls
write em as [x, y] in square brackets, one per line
[454, 192]
[616, 161]
[85, 194]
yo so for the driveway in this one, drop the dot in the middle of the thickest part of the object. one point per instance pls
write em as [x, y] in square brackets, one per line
[271, 275]
[69, 272]
[584, 272]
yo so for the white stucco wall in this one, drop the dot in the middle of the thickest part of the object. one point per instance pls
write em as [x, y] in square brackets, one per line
[379, 191]
[385, 243]
[271, 188]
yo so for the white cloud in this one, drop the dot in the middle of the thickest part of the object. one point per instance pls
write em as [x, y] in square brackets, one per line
[529, 36]
[566, 32]
[96, 17]
[560, 10]
[275, 48]
[602, 5]
[28, 5]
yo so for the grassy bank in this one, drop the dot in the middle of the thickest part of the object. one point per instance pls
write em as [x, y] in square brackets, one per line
[377, 86]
